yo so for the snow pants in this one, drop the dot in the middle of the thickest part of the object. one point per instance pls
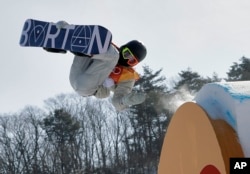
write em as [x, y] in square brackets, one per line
[87, 74]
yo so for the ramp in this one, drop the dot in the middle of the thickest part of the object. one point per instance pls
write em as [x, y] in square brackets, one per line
[196, 144]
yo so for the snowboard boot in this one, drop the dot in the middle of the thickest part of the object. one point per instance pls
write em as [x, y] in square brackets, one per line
[81, 54]
[54, 50]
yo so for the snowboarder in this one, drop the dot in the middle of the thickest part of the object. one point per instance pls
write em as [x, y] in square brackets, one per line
[98, 75]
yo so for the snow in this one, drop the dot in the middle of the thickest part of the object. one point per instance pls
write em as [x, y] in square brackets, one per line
[229, 101]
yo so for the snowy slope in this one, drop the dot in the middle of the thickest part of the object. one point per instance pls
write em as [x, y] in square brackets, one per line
[229, 101]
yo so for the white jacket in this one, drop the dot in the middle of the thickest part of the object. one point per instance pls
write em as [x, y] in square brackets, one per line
[88, 75]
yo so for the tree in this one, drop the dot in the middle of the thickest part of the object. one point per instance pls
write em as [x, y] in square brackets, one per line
[148, 122]
[20, 139]
[61, 129]
[239, 71]
[193, 81]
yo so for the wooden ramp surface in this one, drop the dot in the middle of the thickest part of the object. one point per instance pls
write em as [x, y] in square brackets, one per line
[194, 144]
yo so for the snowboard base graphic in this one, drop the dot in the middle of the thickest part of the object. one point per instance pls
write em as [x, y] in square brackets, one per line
[86, 39]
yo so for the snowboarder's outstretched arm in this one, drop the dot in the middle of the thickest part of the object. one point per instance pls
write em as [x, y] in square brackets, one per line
[125, 97]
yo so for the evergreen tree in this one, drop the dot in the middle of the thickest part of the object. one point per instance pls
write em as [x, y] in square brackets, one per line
[60, 126]
[193, 81]
[61, 129]
[239, 71]
[148, 122]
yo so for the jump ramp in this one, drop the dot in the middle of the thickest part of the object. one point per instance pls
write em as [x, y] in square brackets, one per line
[205, 133]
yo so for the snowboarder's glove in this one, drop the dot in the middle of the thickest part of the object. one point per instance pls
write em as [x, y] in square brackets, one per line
[133, 98]
[108, 82]
[61, 24]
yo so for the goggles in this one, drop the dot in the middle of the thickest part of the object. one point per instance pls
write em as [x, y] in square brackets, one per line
[127, 54]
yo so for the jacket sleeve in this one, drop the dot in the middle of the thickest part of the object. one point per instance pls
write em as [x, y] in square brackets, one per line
[122, 89]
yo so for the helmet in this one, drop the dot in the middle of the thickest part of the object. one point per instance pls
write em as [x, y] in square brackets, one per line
[132, 53]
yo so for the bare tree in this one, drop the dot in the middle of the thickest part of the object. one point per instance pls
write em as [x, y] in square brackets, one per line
[20, 136]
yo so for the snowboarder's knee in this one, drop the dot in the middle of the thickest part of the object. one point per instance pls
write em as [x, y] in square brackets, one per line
[83, 89]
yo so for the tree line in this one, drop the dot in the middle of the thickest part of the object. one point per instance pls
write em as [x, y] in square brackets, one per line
[76, 135]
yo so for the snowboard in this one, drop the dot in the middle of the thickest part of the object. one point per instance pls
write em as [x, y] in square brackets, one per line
[86, 39]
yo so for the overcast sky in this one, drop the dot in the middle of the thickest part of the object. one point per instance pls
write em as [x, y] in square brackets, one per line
[207, 36]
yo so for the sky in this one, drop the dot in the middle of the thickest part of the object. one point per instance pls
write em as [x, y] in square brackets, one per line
[206, 36]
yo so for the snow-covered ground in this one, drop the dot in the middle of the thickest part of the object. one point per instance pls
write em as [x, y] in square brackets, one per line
[229, 101]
